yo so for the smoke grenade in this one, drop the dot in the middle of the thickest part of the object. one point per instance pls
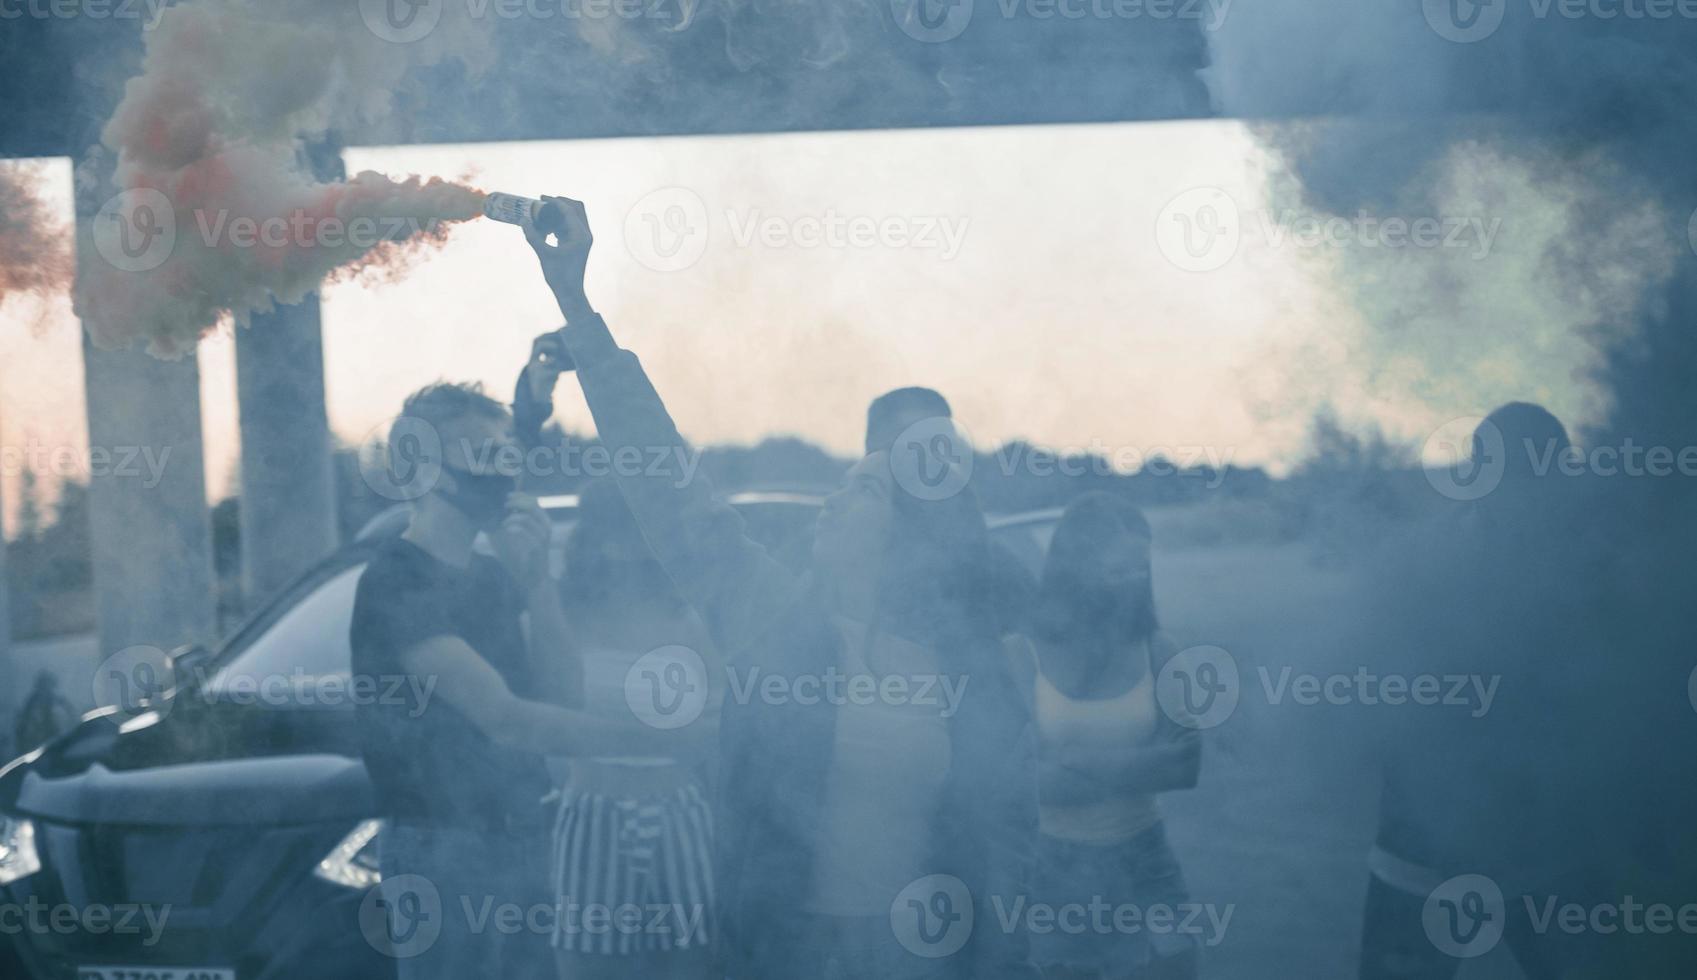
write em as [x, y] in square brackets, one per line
[548, 217]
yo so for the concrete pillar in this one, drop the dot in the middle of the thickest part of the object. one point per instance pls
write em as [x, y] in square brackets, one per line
[153, 581]
[149, 526]
[288, 505]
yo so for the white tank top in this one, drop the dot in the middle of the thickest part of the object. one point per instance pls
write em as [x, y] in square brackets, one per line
[1090, 735]
[882, 791]
[606, 673]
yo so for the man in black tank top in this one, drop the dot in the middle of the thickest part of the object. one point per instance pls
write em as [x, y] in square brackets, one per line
[453, 743]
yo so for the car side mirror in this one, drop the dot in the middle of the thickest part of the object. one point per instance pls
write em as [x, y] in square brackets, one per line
[187, 663]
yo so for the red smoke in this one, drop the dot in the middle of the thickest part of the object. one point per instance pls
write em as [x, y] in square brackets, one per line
[35, 255]
[209, 142]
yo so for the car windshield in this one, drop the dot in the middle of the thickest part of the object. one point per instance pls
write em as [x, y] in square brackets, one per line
[307, 642]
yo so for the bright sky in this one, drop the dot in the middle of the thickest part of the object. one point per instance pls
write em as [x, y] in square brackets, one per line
[1052, 314]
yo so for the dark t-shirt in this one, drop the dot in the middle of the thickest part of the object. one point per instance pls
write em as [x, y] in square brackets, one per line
[428, 764]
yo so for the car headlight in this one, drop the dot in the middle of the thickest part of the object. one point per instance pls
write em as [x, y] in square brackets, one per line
[18, 857]
[353, 863]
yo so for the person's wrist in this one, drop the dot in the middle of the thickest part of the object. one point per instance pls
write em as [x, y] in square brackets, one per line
[574, 303]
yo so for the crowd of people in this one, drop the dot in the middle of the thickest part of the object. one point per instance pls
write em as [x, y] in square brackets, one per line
[787, 836]
[781, 831]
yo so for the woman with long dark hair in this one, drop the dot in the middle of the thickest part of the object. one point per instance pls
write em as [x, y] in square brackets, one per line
[1106, 746]
[632, 831]
[878, 797]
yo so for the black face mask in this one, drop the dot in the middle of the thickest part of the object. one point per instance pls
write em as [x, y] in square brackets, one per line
[481, 497]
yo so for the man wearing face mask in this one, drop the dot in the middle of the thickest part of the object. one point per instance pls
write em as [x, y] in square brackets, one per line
[453, 744]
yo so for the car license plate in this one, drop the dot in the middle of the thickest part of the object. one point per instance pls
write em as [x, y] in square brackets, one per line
[153, 973]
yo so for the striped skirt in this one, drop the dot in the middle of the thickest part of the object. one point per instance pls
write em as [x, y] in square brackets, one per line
[633, 875]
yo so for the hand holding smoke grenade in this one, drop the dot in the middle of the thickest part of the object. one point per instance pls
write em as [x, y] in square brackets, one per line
[546, 216]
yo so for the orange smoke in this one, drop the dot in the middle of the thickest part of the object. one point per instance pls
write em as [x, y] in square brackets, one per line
[35, 255]
[213, 216]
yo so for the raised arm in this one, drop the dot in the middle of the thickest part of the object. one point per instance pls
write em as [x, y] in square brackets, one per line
[737, 587]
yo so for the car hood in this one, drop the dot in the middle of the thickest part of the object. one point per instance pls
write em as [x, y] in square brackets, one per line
[200, 766]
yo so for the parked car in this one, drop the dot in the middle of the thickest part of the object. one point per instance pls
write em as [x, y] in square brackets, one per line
[250, 820]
